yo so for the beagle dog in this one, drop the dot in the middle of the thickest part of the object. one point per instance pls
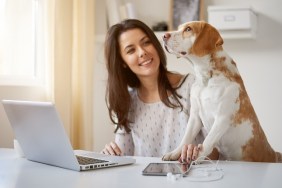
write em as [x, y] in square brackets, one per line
[219, 101]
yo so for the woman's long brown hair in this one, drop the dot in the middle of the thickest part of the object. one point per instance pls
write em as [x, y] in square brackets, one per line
[120, 78]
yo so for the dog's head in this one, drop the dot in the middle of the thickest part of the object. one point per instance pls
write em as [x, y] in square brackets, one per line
[193, 38]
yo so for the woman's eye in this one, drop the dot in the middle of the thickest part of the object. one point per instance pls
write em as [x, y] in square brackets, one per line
[147, 42]
[130, 51]
[188, 29]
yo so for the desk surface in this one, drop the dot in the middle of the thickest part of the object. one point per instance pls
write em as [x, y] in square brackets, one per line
[19, 172]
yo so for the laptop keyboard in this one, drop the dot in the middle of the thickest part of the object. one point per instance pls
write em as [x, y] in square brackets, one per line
[86, 160]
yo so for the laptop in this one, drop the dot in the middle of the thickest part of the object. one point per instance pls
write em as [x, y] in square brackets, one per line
[42, 137]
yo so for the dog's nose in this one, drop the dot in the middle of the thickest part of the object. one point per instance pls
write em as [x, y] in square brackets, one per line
[166, 36]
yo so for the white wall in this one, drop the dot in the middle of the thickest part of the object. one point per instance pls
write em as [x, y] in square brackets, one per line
[259, 62]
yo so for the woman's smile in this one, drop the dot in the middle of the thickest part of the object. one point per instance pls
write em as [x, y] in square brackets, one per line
[146, 62]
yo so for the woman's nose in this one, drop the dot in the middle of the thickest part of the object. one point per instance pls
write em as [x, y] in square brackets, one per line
[142, 52]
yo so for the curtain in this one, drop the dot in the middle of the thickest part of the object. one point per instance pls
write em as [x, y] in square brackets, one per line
[70, 41]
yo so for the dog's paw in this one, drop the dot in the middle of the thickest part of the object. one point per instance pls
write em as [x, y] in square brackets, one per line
[172, 156]
[203, 153]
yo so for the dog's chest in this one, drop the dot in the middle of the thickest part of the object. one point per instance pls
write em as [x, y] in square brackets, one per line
[213, 91]
[219, 94]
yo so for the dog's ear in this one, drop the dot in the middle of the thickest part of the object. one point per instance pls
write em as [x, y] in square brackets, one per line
[207, 41]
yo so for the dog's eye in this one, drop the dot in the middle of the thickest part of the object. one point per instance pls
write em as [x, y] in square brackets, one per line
[188, 29]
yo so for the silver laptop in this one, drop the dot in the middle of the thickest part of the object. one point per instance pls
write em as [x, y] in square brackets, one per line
[42, 137]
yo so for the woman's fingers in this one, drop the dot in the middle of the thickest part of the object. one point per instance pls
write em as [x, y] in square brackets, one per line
[195, 153]
[191, 153]
[188, 153]
[111, 149]
[200, 147]
[105, 151]
[115, 148]
[183, 155]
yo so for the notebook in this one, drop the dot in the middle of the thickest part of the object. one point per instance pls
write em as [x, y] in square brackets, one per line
[42, 137]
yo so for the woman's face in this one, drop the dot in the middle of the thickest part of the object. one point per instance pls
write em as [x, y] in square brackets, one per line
[139, 53]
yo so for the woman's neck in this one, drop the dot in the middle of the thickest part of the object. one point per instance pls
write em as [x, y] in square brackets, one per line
[148, 91]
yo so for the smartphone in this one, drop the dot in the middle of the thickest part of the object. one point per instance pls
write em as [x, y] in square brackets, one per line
[161, 169]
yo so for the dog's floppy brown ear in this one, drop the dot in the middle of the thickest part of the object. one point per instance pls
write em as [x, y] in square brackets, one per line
[207, 41]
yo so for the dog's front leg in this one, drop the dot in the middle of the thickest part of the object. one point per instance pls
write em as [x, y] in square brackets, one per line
[193, 128]
[227, 106]
[211, 140]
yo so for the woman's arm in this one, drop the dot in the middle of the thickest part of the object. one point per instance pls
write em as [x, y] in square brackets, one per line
[125, 142]
[123, 145]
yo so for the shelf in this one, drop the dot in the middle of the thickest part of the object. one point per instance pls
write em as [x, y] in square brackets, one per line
[233, 22]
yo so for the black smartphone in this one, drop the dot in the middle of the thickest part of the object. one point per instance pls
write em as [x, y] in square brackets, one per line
[161, 169]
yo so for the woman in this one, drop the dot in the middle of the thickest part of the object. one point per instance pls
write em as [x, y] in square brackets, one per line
[149, 104]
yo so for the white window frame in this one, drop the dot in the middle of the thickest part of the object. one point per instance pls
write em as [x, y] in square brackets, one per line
[38, 78]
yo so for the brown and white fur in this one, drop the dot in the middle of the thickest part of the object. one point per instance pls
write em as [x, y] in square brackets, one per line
[219, 101]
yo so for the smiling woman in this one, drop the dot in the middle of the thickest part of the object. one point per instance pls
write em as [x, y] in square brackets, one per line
[148, 103]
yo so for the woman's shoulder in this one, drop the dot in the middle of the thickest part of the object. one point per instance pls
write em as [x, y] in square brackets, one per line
[179, 80]
[132, 91]
[187, 79]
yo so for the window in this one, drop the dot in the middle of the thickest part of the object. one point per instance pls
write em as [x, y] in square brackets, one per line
[21, 43]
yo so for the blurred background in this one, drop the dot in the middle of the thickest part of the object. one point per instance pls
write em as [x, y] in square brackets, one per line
[70, 70]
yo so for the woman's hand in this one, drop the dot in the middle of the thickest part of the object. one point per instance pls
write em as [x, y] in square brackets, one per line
[190, 153]
[111, 149]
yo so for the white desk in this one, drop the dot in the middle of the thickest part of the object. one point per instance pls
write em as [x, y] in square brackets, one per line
[19, 172]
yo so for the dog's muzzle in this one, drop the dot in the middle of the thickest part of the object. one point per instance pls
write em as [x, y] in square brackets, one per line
[165, 38]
